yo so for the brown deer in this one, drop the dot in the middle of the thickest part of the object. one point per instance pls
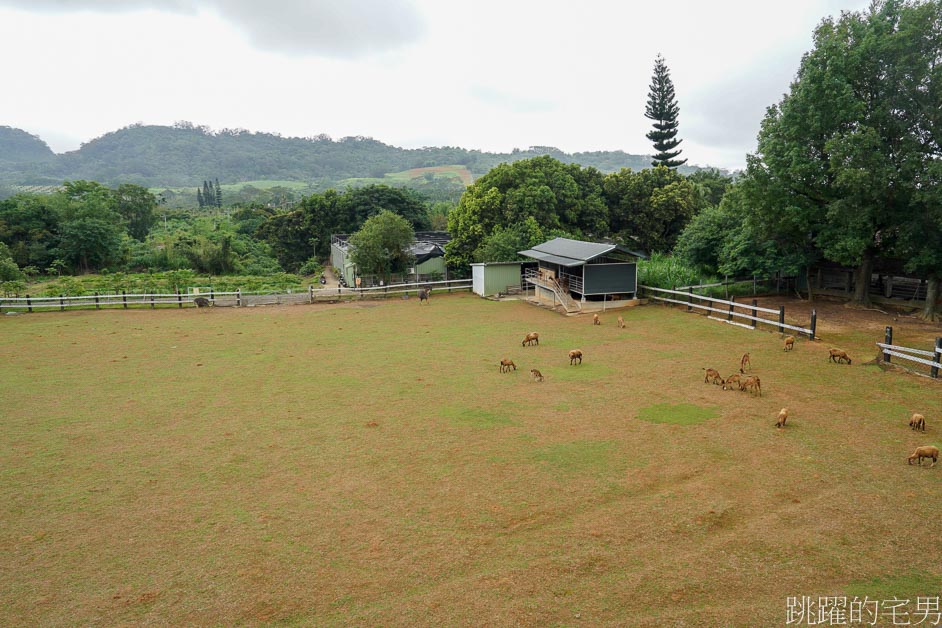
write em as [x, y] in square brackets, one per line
[918, 422]
[712, 376]
[838, 355]
[735, 378]
[789, 343]
[744, 362]
[927, 451]
[536, 375]
[505, 365]
[575, 354]
[752, 384]
[621, 323]
[595, 320]
[530, 339]
[782, 416]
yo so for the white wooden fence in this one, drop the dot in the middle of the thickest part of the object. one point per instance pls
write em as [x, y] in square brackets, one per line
[911, 355]
[238, 298]
[688, 299]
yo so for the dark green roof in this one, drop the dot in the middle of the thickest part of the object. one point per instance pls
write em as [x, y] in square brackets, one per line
[566, 252]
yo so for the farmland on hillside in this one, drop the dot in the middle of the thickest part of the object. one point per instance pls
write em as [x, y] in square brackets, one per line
[368, 464]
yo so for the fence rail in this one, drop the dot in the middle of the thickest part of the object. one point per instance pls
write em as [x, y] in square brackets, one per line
[908, 353]
[237, 298]
[730, 310]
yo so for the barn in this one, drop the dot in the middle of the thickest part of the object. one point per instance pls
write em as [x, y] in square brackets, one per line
[427, 251]
[572, 272]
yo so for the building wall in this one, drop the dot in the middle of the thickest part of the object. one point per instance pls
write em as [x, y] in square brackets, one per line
[433, 265]
[499, 276]
[611, 278]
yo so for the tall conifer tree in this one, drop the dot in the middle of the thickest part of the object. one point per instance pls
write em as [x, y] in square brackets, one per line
[218, 194]
[663, 109]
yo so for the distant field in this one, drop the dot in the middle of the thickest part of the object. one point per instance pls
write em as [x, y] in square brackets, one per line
[448, 172]
[367, 464]
[451, 172]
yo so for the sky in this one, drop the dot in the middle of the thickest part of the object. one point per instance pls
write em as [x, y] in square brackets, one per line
[491, 74]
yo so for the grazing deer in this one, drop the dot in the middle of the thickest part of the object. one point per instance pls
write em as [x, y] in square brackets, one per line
[782, 416]
[918, 422]
[745, 361]
[927, 451]
[789, 343]
[732, 379]
[838, 355]
[505, 365]
[595, 320]
[621, 323]
[530, 339]
[202, 302]
[536, 375]
[752, 384]
[575, 354]
[712, 376]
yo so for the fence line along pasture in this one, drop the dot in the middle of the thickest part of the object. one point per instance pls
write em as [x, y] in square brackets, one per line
[730, 310]
[889, 351]
[238, 298]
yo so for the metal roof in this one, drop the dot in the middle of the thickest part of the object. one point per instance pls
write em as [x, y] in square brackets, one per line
[566, 252]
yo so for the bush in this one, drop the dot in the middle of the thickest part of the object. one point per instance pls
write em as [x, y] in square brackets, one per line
[665, 271]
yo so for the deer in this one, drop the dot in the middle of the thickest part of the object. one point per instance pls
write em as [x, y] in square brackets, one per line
[621, 323]
[782, 416]
[575, 354]
[838, 355]
[596, 320]
[505, 365]
[744, 362]
[536, 375]
[530, 339]
[928, 451]
[424, 295]
[712, 375]
[202, 302]
[789, 343]
[918, 422]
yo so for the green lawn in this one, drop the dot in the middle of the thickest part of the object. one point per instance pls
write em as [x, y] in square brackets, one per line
[368, 464]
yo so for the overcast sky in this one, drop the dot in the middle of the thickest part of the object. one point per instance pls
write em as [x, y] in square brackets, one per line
[489, 74]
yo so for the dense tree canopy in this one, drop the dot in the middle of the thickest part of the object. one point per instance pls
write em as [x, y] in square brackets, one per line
[844, 159]
[557, 196]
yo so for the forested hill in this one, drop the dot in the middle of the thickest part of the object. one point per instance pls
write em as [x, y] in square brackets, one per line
[186, 155]
[19, 148]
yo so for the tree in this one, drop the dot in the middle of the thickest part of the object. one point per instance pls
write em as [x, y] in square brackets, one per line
[199, 198]
[663, 109]
[841, 158]
[556, 195]
[218, 197]
[649, 208]
[381, 246]
[136, 206]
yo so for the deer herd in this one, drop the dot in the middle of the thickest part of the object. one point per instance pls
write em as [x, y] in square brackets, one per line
[750, 383]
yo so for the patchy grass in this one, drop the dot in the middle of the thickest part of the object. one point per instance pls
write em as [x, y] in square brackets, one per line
[370, 465]
[678, 414]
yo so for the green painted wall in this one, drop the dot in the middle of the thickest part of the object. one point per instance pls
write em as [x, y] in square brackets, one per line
[498, 277]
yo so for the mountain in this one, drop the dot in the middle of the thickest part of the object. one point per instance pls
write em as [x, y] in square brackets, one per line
[19, 148]
[186, 155]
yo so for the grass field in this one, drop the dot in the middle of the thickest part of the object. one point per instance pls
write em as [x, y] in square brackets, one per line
[367, 464]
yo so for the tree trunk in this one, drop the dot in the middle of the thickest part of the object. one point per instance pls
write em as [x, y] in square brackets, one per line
[932, 297]
[862, 280]
[808, 282]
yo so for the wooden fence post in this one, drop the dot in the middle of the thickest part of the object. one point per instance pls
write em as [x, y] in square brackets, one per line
[124, 298]
[179, 299]
[97, 306]
[152, 306]
[212, 296]
[29, 304]
[888, 339]
[310, 290]
[709, 307]
[755, 312]
[238, 297]
[61, 303]
[689, 298]
[781, 319]
[938, 358]
[731, 306]
[814, 323]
